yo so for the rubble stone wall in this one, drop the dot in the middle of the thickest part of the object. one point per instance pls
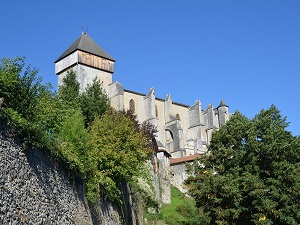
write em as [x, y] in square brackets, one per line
[36, 190]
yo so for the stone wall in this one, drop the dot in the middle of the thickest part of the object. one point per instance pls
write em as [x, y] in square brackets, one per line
[178, 176]
[178, 171]
[36, 190]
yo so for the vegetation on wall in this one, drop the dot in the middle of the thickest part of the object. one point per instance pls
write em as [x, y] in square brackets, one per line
[97, 144]
[251, 173]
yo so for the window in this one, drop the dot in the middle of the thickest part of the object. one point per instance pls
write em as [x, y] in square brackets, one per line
[132, 106]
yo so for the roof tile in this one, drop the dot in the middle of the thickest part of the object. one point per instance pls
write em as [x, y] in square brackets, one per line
[184, 159]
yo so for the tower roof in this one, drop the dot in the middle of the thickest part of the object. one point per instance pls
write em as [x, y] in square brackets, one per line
[222, 103]
[86, 44]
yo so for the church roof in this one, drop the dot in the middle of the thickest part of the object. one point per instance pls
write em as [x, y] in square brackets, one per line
[86, 44]
[222, 103]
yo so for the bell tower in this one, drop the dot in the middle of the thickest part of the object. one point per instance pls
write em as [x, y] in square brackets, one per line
[88, 60]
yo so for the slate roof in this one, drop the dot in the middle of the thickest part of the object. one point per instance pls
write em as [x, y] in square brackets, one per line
[86, 44]
[222, 103]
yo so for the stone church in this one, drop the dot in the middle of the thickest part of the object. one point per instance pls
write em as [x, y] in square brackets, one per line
[183, 131]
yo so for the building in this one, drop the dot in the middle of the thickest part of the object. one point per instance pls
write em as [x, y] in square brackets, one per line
[182, 130]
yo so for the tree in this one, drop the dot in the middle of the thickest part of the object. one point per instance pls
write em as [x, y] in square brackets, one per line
[21, 90]
[116, 153]
[251, 172]
[94, 101]
[54, 109]
[72, 142]
[62, 118]
[68, 92]
[20, 87]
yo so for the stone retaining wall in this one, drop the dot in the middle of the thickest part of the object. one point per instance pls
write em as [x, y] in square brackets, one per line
[36, 190]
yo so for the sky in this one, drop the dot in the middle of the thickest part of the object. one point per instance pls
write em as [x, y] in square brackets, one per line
[244, 52]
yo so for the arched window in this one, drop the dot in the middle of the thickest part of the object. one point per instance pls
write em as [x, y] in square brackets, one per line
[156, 111]
[169, 141]
[132, 106]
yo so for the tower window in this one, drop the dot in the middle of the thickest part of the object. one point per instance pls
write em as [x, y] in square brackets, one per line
[132, 106]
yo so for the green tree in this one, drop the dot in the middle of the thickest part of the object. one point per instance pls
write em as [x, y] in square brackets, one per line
[72, 142]
[251, 173]
[21, 90]
[62, 118]
[68, 91]
[117, 152]
[94, 101]
[20, 87]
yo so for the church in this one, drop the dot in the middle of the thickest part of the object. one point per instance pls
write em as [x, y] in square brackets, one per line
[183, 131]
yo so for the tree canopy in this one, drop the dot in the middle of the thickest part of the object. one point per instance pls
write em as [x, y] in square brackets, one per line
[21, 90]
[116, 153]
[94, 101]
[251, 172]
[69, 90]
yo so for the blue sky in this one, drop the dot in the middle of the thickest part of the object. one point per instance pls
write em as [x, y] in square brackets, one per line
[245, 52]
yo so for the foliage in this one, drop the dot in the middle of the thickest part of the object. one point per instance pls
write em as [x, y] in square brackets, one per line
[21, 89]
[52, 111]
[250, 175]
[63, 124]
[146, 128]
[72, 142]
[94, 101]
[20, 86]
[68, 92]
[116, 153]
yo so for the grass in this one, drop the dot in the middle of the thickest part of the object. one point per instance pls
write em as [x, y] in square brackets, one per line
[181, 211]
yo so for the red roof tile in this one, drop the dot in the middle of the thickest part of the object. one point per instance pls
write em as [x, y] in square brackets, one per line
[184, 159]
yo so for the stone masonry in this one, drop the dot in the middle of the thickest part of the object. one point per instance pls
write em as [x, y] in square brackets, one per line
[36, 190]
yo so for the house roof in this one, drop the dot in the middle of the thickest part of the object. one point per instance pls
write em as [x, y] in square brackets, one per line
[184, 159]
[86, 44]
